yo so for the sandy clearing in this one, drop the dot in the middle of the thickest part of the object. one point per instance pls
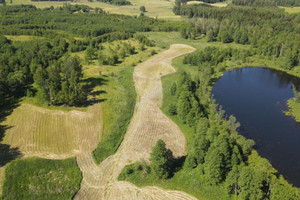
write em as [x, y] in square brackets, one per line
[147, 125]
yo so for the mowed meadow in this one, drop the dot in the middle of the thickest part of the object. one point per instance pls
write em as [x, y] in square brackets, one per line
[52, 133]
[37, 129]
[154, 8]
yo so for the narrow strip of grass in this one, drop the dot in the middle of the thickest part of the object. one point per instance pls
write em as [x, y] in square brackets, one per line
[36, 178]
[121, 104]
[294, 109]
[118, 100]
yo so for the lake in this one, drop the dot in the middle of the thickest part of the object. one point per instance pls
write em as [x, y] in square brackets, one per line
[257, 97]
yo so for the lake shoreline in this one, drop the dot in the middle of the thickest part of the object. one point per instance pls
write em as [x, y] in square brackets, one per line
[294, 109]
[263, 122]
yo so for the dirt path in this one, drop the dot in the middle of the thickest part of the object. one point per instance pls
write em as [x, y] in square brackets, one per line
[147, 125]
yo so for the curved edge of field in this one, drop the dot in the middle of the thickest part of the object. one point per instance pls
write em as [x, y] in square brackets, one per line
[147, 125]
[49, 134]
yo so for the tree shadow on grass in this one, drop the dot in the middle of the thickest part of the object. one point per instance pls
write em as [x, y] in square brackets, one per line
[7, 153]
[90, 84]
[177, 165]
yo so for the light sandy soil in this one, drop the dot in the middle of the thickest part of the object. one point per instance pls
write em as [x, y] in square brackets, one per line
[147, 125]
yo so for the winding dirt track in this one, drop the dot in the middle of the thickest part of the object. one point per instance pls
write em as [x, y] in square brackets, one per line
[147, 125]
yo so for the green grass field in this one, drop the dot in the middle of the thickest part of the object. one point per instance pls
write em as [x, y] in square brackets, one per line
[154, 8]
[35, 178]
[291, 9]
[181, 181]
[117, 95]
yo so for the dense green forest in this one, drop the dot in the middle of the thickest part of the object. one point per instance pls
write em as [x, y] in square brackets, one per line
[38, 62]
[78, 19]
[270, 31]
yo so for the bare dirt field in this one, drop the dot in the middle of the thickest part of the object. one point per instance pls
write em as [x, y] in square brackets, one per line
[148, 124]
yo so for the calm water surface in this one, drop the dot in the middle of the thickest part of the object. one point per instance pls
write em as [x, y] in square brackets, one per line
[256, 97]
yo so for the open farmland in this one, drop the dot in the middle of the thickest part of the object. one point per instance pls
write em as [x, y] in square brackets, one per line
[155, 8]
[53, 134]
[147, 126]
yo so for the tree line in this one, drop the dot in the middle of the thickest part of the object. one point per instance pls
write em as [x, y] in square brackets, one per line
[75, 19]
[217, 151]
[269, 30]
[288, 3]
[116, 2]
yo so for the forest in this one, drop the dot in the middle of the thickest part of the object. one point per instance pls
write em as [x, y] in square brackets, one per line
[270, 31]
[57, 77]
[72, 40]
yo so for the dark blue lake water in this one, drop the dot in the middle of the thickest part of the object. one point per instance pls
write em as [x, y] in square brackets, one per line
[256, 97]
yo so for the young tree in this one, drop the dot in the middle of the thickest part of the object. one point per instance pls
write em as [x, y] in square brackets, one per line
[71, 88]
[214, 166]
[172, 109]
[183, 105]
[173, 89]
[143, 9]
[161, 159]
[54, 84]
[89, 54]
[40, 78]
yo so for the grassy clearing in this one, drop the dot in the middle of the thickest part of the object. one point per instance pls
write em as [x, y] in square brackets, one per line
[117, 96]
[117, 109]
[23, 38]
[294, 109]
[165, 39]
[291, 10]
[35, 178]
[181, 181]
[154, 8]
